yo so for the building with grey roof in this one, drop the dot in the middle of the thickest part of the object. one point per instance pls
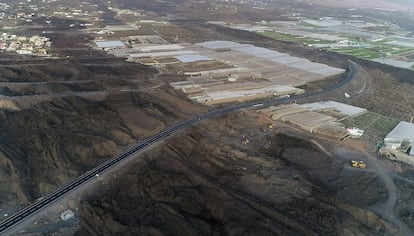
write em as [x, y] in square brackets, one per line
[186, 58]
[345, 109]
[402, 133]
[110, 44]
[260, 53]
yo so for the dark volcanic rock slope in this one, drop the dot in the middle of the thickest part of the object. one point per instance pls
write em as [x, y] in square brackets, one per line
[206, 182]
[45, 145]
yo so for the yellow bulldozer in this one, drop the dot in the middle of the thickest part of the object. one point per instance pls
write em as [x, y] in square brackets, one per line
[358, 164]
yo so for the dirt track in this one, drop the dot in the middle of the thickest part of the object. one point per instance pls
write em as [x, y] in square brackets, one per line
[388, 212]
[388, 209]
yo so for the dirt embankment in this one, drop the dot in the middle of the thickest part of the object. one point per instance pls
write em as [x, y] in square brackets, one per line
[206, 181]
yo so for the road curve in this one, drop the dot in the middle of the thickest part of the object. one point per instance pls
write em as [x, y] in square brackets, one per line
[30, 210]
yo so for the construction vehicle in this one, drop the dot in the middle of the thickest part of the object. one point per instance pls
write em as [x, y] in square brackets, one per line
[359, 164]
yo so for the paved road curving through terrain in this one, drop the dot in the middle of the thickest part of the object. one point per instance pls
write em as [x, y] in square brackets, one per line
[30, 210]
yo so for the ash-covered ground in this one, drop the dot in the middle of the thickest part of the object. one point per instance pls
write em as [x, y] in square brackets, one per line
[205, 181]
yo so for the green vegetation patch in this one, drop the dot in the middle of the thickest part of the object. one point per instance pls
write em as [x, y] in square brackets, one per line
[391, 49]
[364, 49]
[402, 51]
[375, 126]
[364, 53]
[294, 38]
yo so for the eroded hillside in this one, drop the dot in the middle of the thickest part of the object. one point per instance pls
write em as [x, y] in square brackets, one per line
[66, 124]
[205, 181]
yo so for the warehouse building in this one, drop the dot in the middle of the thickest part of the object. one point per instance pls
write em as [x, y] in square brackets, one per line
[221, 72]
[277, 112]
[309, 120]
[319, 117]
[217, 97]
[272, 56]
[110, 44]
[341, 109]
[401, 137]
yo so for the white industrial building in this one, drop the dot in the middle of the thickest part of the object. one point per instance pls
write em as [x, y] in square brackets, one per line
[274, 56]
[192, 58]
[161, 54]
[110, 44]
[402, 133]
[345, 109]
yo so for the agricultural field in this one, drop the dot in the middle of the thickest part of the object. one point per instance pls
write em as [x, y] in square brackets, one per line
[357, 47]
[364, 53]
[375, 126]
[385, 46]
[371, 49]
[293, 38]
[374, 51]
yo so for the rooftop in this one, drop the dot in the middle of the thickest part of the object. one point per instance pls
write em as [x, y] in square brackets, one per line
[308, 120]
[264, 54]
[403, 130]
[109, 44]
[192, 58]
[341, 107]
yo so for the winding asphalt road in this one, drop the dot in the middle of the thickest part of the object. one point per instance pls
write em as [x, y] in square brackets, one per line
[30, 210]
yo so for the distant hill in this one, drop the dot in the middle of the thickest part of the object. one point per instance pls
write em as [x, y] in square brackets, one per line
[405, 5]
